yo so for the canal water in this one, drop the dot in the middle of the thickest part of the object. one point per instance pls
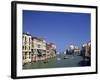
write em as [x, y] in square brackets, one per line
[59, 61]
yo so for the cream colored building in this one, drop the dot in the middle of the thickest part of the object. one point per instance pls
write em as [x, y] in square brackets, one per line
[35, 49]
[51, 50]
[76, 50]
[38, 49]
[26, 47]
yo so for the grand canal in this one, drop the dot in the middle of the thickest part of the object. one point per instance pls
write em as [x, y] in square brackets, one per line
[59, 61]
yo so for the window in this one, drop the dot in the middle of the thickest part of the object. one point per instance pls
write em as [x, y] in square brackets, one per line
[29, 41]
[25, 55]
[23, 37]
[23, 47]
[32, 50]
[25, 40]
[29, 55]
[39, 45]
[29, 47]
[32, 44]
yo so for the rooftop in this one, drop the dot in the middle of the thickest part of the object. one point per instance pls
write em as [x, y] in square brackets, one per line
[27, 33]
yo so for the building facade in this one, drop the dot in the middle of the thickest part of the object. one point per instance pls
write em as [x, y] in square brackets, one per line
[35, 49]
[86, 49]
[38, 49]
[51, 50]
[26, 46]
[73, 50]
[77, 50]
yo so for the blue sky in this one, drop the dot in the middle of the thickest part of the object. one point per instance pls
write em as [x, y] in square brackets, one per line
[61, 28]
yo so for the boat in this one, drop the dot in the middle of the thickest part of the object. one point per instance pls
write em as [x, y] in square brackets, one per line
[66, 57]
[45, 61]
[58, 58]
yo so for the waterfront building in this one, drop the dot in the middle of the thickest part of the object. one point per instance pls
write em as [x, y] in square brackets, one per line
[51, 50]
[73, 50]
[48, 48]
[86, 50]
[70, 49]
[26, 47]
[77, 50]
[38, 49]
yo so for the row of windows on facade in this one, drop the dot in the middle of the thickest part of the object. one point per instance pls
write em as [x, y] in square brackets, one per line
[28, 40]
[25, 56]
[29, 54]
[26, 47]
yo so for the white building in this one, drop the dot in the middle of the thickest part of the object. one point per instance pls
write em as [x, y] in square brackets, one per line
[38, 48]
[26, 47]
[77, 50]
[35, 49]
[73, 50]
[71, 47]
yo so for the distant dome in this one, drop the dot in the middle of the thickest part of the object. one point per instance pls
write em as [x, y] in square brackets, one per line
[71, 46]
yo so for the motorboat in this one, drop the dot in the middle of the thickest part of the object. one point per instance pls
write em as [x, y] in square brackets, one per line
[66, 57]
[58, 58]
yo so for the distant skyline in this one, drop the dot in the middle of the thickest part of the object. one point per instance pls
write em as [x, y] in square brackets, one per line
[61, 28]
